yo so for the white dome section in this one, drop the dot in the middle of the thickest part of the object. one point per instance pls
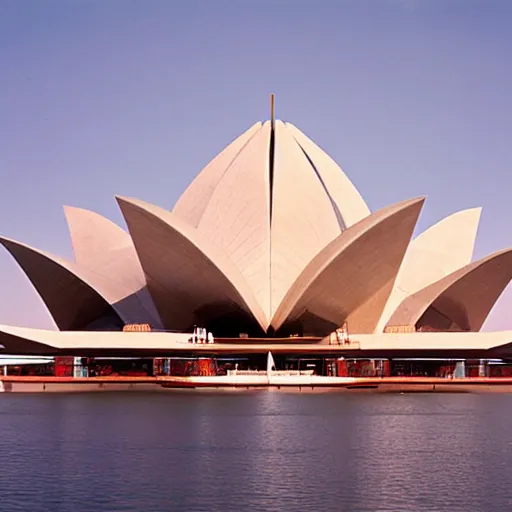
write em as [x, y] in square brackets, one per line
[238, 214]
[349, 203]
[303, 219]
[273, 200]
[192, 203]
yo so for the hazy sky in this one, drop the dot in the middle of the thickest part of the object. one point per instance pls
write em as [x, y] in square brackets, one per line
[104, 97]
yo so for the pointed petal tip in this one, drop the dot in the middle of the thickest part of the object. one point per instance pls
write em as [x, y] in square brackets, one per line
[6, 241]
[391, 209]
[477, 211]
[125, 201]
[69, 209]
[417, 202]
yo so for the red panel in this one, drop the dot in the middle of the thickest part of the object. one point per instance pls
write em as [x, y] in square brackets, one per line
[64, 366]
[342, 368]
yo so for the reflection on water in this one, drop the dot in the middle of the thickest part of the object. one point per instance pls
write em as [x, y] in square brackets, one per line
[255, 451]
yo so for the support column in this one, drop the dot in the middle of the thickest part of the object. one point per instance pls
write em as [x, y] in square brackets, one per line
[482, 368]
[460, 370]
[77, 367]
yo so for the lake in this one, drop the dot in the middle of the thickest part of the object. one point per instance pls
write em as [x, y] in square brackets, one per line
[268, 451]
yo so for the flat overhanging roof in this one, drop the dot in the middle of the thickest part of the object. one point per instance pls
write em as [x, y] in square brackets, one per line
[26, 341]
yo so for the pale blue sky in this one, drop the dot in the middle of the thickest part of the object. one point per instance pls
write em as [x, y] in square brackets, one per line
[104, 97]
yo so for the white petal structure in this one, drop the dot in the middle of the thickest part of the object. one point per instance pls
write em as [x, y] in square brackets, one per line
[351, 279]
[237, 215]
[270, 238]
[303, 219]
[348, 203]
[461, 300]
[106, 252]
[273, 199]
[437, 252]
[93, 237]
[187, 275]
[193, 202]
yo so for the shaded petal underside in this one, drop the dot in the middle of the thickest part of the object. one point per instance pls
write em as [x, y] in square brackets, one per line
[465, 296]
[72, 302]
[442, 249]
[185, 272]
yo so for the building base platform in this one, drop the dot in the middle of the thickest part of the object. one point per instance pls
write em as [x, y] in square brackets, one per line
[29, 384]
[33, 384]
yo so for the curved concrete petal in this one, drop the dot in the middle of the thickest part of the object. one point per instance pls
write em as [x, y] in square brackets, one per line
[272, 199]
[437, 252]
[238, 215]
[465, 297]
[192, 203]
[341, 190]
[185, 271]
[303, 219]
[351, 279]
[71, 300]
[107, 251]
[93, 236]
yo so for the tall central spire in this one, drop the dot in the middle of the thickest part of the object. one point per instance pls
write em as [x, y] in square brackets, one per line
[272, 111]
[271, 188]
[271, 151]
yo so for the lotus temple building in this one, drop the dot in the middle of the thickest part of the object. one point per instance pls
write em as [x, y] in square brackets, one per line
[270, 248]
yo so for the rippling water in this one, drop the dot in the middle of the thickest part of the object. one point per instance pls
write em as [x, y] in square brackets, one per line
[266, 451]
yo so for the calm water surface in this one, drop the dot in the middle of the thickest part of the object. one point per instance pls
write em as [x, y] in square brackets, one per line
[264, 451]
